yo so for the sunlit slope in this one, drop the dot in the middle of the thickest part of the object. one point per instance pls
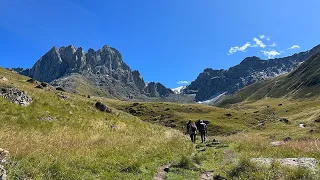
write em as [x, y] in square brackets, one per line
[69, 139]
[221, 121]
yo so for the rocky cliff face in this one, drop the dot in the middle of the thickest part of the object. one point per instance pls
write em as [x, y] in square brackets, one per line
[157, 90]
[211, 83]
[104, 68]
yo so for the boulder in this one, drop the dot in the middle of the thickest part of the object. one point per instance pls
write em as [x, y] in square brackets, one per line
[166, 169]
[284, 120]
[48, 118]
[287, 139]
[132, 111]
[39, 87]
[100, 106]
[3, 173]
[4, 155]
[218, 177]
[170, 124]
[62, 96]
[276, 143]
[3, 79]
[135, 104]
[60, 89]
[15, 96]
[228, 114]
[44, 84]
[31, 80]
[312, 131]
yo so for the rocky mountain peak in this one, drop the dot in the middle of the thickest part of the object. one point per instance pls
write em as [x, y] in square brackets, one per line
[158, 90]
[252, 59]
[53, 49]
[90, 50]
[105, 68]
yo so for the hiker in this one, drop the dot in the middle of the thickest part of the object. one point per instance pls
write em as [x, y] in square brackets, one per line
[203, 131]
[193, 132]
[188, 126]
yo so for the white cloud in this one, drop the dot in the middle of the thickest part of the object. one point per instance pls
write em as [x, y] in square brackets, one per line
[237, 48]
[294, 47]
[183, 82]
[271, 54]
[258, 43]
[265, 37]
[262, 36]
[273, 45]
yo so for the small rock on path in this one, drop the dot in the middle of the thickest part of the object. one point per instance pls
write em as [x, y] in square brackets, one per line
[276, 143]
[208, 175]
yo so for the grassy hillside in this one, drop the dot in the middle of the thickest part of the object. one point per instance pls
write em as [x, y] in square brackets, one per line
[222, 121]
[241, 136]
[233, 162]
[69, 139]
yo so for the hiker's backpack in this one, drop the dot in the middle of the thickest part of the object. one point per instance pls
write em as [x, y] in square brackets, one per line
[202, 127]
[193, 128]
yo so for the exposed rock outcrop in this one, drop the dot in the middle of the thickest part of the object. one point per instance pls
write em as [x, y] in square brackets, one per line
[104, 69]
[158, 90]
[4, 155]
[15, 96]
[102, 107]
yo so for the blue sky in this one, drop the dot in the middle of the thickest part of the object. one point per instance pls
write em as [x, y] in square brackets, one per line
[167, 41]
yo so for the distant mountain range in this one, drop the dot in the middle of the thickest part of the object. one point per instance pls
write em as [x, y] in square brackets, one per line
[211, 83]
[104, 73]
[101, 72]
[304, 82]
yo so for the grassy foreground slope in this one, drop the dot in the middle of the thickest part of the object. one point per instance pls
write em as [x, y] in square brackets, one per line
[291, 140]
[68, 139]
[248, 133]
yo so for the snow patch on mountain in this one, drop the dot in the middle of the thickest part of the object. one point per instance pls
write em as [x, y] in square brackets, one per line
[213, 100]
[179, 90]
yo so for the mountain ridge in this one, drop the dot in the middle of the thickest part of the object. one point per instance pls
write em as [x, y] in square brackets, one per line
[304, 82]
[211, 83]
[104, 67]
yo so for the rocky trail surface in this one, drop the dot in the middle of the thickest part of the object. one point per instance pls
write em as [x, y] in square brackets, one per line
[161, 172]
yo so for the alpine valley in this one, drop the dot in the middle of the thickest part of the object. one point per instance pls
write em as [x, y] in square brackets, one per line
[104, 73]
